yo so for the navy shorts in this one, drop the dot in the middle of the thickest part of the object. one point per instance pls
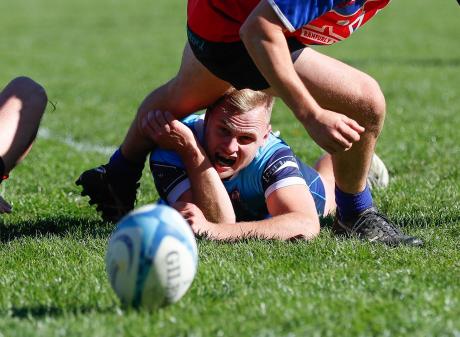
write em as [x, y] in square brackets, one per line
[315, 184]
[231, 62]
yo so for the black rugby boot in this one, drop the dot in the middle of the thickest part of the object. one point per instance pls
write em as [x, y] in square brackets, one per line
[113, 199]
[373, 226]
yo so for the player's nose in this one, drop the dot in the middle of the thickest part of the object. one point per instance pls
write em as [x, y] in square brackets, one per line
[231, 145]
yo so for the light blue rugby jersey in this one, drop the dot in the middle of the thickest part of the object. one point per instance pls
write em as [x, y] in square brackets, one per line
[274, 166]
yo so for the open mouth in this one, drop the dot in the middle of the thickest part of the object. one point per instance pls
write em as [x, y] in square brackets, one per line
[224, 161]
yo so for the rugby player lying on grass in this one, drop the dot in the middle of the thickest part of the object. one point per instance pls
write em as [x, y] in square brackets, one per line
[263, 189]
[22, 103]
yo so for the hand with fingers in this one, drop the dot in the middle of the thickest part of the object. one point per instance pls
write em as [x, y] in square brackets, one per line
[194, 216]
[334, 132]
[4, 206]
[167, 132]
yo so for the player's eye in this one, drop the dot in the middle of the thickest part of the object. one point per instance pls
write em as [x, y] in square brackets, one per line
[245, 140]
[223, 131]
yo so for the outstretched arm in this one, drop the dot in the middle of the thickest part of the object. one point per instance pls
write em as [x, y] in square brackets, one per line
[207, 190]
[293, 217]
[263, 37]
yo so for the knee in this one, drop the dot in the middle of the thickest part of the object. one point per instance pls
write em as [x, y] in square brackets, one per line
[373, 105]
[29, 92]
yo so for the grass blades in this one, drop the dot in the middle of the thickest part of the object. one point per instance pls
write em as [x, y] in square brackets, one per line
[98, 59]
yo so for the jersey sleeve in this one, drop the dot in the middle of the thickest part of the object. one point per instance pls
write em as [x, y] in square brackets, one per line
[168, 170]
[280, 171]
[169, 175]
[297, 13]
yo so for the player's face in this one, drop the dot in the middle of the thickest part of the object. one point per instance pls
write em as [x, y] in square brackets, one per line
[232, 140]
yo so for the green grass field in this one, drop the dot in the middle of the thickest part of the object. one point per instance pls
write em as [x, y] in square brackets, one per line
[98, 59]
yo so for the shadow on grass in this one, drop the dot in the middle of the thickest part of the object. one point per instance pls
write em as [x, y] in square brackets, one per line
[326, 221]
[55, 225]
[42, 311]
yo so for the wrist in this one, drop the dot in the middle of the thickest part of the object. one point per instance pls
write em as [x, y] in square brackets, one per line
[306, 110]
[192, 154]
[311, 116]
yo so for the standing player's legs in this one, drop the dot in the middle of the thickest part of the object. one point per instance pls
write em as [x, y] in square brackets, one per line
[22, 104]
[341, 88]
[112, 187]
[193, 88]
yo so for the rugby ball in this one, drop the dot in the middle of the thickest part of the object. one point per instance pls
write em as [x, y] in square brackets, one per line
[152, 257]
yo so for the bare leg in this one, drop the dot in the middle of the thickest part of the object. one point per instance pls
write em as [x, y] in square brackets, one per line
[22, 104]
[341, 88]
[113, 187]
[193, 88]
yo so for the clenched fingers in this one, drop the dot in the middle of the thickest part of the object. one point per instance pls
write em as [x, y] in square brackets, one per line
[162, 122]
[149, 125]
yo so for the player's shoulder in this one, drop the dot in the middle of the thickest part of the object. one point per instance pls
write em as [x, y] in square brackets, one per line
[273, 148]
[196, 123]
[193, 120]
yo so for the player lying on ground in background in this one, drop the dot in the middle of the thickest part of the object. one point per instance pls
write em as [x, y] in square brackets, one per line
[263, 45]
[231, 153]
[22, 104]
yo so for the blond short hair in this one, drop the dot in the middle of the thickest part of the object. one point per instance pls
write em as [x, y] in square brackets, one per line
[242, 101]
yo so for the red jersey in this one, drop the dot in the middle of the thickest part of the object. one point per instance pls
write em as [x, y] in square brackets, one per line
[331, 21]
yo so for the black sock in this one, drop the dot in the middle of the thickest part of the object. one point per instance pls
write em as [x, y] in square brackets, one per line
[120, 168]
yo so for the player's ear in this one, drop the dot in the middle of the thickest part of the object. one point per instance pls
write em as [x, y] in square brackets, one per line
[206, 116]
[267, 133]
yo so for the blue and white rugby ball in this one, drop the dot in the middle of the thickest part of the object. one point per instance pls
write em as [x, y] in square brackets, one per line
[152, 257]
